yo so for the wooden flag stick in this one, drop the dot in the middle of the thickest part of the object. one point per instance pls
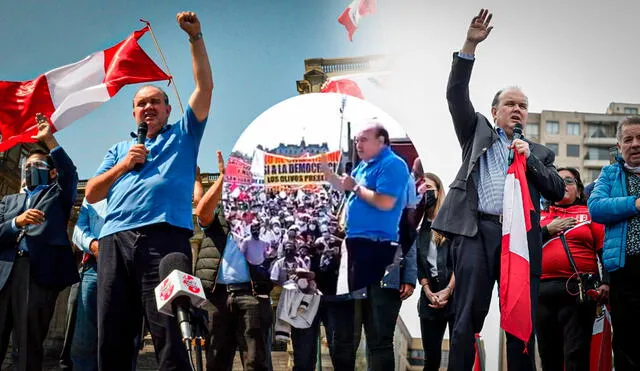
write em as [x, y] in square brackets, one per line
[164, 62]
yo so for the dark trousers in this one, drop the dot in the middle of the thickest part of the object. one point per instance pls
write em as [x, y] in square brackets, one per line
[26, 308]
[477, 267]
[433, 325]
[625, 306]
[239, 321]
[378, 313]
[127, 275]
[305, 341]
[564, 328]
[65, 353]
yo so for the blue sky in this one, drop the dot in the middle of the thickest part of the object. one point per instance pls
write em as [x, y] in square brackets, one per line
[257, 51]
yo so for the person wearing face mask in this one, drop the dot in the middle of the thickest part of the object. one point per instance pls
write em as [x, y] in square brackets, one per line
[435, 275]
[36, 259]
[615, 202]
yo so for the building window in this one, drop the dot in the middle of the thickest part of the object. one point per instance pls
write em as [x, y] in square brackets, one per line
[630, 111]
[573, 150]
[553, 127]
[593, 174]
[553, 147]
[595, 153]
[573, 128]
[532, 130]
[602, 131]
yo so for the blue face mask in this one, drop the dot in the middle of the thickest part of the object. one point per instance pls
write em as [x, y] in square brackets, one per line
[35, 177]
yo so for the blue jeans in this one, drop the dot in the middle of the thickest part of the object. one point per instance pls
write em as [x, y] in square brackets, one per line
[84, 348]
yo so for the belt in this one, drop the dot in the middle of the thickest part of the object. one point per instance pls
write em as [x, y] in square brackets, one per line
[236, 287]
[490, 217]
[22, 253]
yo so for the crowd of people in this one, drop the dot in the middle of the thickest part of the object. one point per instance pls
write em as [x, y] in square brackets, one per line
[346, 252]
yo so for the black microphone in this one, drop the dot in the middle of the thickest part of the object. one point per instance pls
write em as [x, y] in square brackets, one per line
[517, 134]
[180, 306]
[142, 135]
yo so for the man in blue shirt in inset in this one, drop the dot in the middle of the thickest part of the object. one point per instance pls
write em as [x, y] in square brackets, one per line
[149, 215]
[378, 187]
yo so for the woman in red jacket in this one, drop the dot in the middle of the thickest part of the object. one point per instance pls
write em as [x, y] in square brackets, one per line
[564, 324]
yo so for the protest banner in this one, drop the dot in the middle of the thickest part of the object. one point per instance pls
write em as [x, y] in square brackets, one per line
[237, 172]
[296, 171]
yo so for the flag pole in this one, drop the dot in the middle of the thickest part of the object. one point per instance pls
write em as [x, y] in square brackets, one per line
[164, 62]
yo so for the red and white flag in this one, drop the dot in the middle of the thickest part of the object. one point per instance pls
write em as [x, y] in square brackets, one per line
[69, 92]
[515, 285]
[601, 355]
[342, 86]
[351, 16]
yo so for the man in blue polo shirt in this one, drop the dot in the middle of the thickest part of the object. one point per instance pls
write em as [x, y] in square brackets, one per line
[379, 191]
[149, 215]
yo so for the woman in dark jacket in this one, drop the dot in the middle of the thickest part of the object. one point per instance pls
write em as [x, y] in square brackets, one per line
[435, 274]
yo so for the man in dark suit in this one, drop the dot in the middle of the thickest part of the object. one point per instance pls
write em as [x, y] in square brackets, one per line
[36, 260]
[472, 211]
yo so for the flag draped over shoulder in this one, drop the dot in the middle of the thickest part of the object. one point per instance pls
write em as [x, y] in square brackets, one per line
[69, 92]
[350, 17]
[515, 285]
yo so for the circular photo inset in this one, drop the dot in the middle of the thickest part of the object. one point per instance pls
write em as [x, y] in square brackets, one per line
[284, 214]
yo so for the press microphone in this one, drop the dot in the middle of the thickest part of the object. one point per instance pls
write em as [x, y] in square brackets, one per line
[179, 291]
[517, 134]
[142, 135]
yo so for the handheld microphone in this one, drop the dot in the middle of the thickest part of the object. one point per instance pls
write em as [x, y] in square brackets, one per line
[142, 135]
[178, 291]
[517, 134]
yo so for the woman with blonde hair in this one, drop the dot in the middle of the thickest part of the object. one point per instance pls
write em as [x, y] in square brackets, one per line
[435, 274]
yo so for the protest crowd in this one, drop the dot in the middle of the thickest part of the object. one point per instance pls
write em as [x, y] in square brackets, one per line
[342, 248]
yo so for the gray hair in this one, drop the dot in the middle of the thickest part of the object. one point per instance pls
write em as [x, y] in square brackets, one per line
[629, 120]
[496, 98]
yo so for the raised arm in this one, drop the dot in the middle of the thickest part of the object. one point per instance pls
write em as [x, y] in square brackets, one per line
[212, 197]
[460, 107]
[200, 99]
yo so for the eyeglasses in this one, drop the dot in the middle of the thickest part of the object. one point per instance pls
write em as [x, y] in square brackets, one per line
[569, 181]
[36, 164]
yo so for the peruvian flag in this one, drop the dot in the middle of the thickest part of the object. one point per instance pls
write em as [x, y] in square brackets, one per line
[601, 356]
[342, 86]
[351, 16]
[69, 92]
[515, 291]
[478, 363]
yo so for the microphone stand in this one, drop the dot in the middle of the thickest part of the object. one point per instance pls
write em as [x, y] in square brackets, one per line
[198, 342]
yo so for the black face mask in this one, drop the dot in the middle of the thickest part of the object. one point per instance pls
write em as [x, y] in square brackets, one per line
[34, 177]
[255, 235]
[430, 198]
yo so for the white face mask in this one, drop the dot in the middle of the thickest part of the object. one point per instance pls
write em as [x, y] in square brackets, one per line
[312, 227]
